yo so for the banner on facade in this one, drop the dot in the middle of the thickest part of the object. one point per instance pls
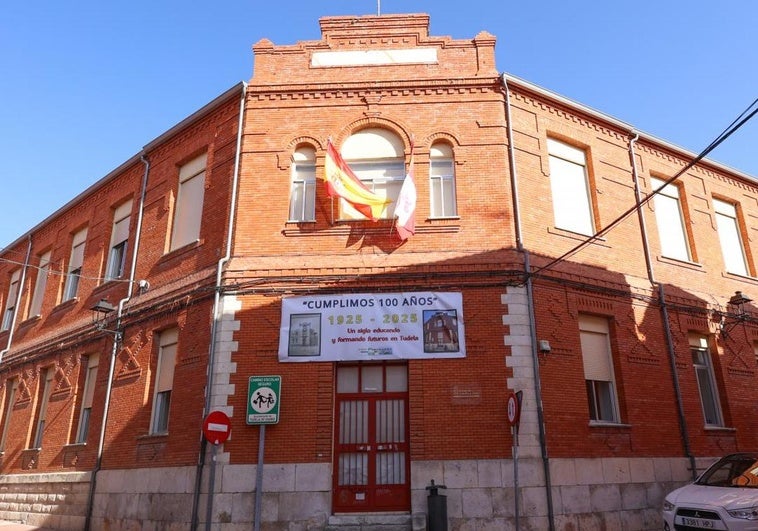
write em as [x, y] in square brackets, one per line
[372, 326]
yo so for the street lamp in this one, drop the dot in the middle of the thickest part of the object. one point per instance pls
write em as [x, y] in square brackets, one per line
[738, 302]
[100, 312]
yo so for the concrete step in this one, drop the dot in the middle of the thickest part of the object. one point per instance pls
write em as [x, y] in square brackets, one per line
[376, 522]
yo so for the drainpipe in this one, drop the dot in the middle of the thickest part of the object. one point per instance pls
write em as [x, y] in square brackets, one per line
[684, 432]
[538, 393]
[216, 317]
[117, 336]
[530, 305]
[19, 291]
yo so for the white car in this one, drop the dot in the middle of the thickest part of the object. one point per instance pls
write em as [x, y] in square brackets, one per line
[724, 497]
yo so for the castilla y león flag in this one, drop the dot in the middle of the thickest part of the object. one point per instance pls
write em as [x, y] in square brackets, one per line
[342, 182]
[405, 209]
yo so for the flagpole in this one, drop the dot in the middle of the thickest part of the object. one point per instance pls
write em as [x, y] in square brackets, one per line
[378, 7]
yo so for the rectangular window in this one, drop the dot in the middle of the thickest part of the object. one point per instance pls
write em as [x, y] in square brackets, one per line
[189, 203]
[88, 393]
[728, 228]
[599, 377]
[303, 189]
[10, 301]
[164, 381]
[569, 185]
[42, 399]
[119, 238]
[35, 308]
[706, 380]
[668, 216]
[75, 265]
[11, 388]
[442, 181]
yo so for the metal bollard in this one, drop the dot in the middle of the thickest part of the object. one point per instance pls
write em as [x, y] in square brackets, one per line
[436, 508]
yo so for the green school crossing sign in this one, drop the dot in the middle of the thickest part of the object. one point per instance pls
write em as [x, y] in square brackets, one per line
[263, 399]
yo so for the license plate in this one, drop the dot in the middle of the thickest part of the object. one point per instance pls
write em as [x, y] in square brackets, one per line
[697, 522]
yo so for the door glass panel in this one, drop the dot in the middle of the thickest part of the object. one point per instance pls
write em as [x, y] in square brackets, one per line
[390, 421]
[390, 468]
[347, 379]
[371, 381]
[353, 469]
[397, 379]
[354, 422]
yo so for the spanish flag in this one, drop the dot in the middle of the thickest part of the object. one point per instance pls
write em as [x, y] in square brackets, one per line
[342, 182]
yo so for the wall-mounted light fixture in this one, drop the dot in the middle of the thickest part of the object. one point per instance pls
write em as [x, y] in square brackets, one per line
[544, 346]
[739, 314]
[100, 312]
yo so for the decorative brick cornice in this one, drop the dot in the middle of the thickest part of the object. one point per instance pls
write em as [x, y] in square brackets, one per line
[376, 91]
[568, 114]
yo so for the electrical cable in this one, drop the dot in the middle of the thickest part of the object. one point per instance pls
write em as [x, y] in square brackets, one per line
[734, 126]
[50, 271]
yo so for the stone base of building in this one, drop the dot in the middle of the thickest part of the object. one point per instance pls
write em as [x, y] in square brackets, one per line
[610, 493]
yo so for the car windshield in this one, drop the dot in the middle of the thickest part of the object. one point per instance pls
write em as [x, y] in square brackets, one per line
[732, 471]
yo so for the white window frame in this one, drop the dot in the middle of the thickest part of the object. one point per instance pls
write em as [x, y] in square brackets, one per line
[39, 425]
[188, 210]
[702, 363]
[119, 239]
[303, 185]
[164, 381]
[11, 388]
[599, 373]
[670, 219]
[570, 188]
[443, 201]
[75, 264]
[35, 308]
[730, 237]
[88, 393]
[377, 158]
[11, 301]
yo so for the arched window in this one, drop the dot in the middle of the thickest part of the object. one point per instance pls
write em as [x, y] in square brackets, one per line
[377, 157]
[303, 189]
[442, 181]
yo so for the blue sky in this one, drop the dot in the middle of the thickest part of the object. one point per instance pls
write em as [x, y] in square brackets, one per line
[86, 84]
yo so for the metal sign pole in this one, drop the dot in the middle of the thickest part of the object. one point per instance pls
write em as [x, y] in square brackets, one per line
[259, 477]
[515, 473]
[211, 486]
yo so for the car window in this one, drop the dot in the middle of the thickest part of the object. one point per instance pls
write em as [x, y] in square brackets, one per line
[732, 471]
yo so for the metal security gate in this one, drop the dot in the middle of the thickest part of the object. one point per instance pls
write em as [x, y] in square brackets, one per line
[371, 460]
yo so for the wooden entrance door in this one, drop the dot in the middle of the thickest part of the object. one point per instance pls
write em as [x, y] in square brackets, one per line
[371, 459]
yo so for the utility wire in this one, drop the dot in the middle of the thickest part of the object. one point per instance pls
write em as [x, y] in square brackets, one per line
[50, 271]
[734, 126]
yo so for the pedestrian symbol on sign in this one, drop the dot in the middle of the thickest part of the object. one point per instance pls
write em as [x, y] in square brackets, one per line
[264, 400]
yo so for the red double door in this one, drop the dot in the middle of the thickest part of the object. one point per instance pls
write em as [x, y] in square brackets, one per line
[371, 458]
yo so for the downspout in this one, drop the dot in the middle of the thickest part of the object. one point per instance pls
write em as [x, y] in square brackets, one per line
[530, 305]
[19, 291]
[512, 165]
[684, 432]
[117, 336]
[216, 311]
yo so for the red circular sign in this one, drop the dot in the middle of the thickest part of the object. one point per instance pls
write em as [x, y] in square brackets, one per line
[514, 409]
[217, 427]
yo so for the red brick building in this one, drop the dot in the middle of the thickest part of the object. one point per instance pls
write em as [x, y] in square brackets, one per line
[221, 257]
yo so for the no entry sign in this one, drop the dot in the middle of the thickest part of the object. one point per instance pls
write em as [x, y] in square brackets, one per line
[217, 427]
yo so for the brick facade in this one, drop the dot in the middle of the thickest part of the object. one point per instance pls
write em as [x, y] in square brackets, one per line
[224, 295]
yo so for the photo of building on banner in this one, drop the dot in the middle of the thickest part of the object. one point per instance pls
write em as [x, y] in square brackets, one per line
[372, 326]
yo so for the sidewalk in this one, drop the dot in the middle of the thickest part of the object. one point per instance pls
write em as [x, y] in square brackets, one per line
[15, 526]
